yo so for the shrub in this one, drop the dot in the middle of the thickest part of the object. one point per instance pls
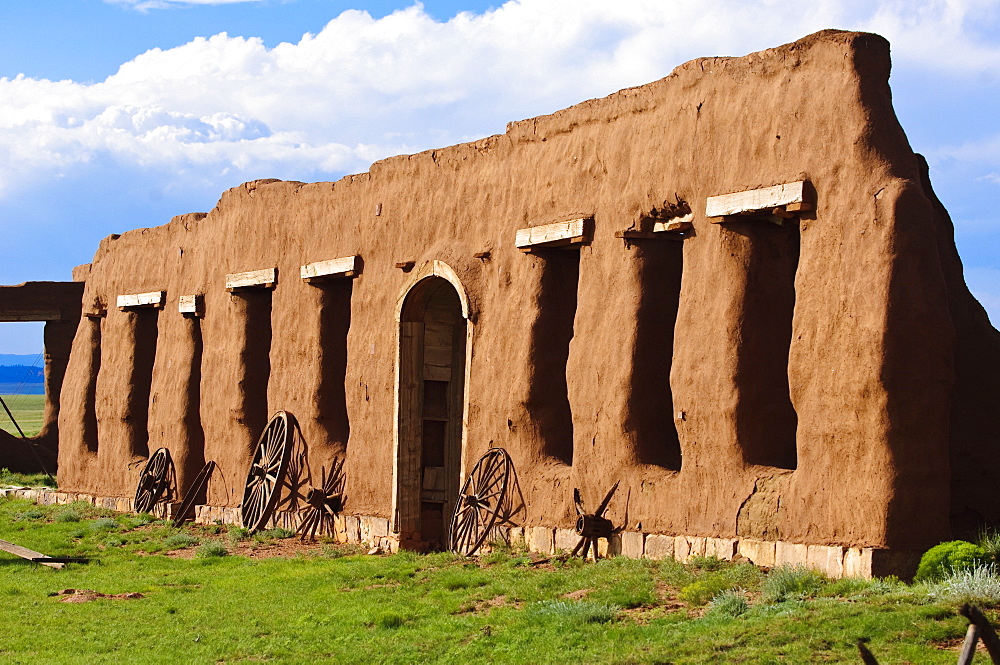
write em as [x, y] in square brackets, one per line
[989, 540]
[276, 532]
[569, 611]
[709, 563]
[792, 583]
[30, 514]
[213, 548]
[104, 524]
[729, 603]
[68, 515]
[727, 577]
[979, 585]
[178, 541]
[943, 559]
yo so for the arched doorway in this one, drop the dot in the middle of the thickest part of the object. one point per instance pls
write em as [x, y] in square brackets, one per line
[431, 391]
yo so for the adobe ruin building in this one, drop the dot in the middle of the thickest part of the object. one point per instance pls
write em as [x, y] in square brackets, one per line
[733, 290]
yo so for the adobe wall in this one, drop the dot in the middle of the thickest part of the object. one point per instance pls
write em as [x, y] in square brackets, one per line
[868, 289]
[58, 305]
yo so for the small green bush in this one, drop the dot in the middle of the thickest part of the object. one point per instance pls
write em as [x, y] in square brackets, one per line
[68, 515]
[979, 585]
[235, 533]
[104, 524]
[792, 583]
[213, 548]
[708, 563]
[30, 514]
[941, 560]
[989, 540]
[277, 532]
[729, 603]
[728, 576]
[569, 611]
[179, 540]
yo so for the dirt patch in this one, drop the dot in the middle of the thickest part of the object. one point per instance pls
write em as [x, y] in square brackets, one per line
[284, 547]
[87, 595]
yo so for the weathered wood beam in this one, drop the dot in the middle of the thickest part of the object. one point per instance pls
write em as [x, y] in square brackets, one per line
[30, 315]
[345, 266]
[30, 555]
[682, 223]
[192, 305]
[152, 299]
[265, 278]
[790, 197]
[558, 234]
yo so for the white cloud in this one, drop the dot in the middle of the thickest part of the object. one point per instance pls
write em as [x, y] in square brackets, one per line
[364, 88]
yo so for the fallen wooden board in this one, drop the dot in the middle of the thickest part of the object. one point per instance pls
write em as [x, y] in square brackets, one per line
[30, 555]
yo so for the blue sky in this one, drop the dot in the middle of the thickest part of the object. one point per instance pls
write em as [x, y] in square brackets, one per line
[117, 114]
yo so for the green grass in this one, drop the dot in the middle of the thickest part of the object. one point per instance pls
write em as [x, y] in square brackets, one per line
[28, 411]
[340, 606]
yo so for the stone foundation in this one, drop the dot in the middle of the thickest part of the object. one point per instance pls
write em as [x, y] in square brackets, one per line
[834, 561]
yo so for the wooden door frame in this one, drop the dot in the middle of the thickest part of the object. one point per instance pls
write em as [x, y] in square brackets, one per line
[401, 501]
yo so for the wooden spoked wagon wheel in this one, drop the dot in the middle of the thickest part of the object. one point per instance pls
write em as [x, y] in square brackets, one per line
[480, 502]
[267, 470]
[153, 481]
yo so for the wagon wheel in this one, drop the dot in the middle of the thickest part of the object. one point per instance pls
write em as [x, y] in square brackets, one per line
[480, 502]
[267, 470]
[152, 481]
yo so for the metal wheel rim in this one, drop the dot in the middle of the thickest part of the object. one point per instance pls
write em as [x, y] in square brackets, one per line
[152, 481]
[267, 470]
[479, 503]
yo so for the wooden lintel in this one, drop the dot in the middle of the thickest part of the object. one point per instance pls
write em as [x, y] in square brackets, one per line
[344, 267]
[252, 279]
[30, 315]
[765, 199]
[152, 299]
[192, 305]
[558, 234]
[682, 223]
[406, 266]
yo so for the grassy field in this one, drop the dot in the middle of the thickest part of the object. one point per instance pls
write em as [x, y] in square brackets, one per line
[28, 411]
[333, 604]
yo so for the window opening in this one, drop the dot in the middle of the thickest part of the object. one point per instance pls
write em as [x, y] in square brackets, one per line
[766, 421]
[552, 332]
[660, 265]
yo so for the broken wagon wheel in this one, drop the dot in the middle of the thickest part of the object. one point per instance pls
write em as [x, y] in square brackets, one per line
[267, 470]
[152, 481]
[479, 502]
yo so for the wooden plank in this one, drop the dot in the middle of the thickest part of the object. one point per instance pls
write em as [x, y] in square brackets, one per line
[30, 315]
[573, 231]
[345, 266]
[30, 555]
[193, 304]
[757, 200]
[266, 278]
[674, 224]
[153, 299]
[410, 427]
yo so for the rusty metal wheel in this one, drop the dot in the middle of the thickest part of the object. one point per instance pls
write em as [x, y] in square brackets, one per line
[480, 502]
[267, 471]
[153, 481]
